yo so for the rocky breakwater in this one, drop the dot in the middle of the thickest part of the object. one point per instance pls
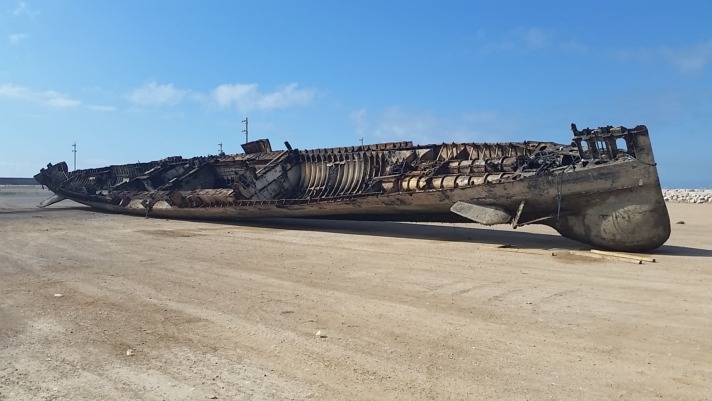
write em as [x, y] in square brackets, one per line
[688, 195]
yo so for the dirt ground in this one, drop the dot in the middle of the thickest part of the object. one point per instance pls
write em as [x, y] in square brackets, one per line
[96, 306]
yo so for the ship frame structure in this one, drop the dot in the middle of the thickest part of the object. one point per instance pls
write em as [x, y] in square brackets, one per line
[601, 189]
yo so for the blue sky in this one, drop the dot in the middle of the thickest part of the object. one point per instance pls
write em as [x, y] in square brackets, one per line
[142, 80]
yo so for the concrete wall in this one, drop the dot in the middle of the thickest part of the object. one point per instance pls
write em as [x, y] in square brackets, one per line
[18, 181]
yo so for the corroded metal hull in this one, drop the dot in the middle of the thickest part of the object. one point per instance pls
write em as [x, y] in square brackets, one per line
[602, 189]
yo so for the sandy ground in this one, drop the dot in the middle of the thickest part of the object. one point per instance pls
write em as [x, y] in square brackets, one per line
[97, 306]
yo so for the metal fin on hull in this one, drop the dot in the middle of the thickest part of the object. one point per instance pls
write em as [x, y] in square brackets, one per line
[486, 215]
[52, 200]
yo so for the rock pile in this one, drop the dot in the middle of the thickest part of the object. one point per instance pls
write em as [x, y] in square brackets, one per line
[688, 195]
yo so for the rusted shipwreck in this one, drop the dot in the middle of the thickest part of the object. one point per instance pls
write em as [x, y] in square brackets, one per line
[602, 189]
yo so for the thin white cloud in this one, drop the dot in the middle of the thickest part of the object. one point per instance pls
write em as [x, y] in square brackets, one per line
[691, 58]
[485, 125]
[16, 38]
[58, 100]
[23, 9]
[47, 98]
[239, 94]
[20, 8]
[534, 37]
[526, 40]
[634, 55]
[394, 124]
[359, 118]
[101, 108]
[153, 94]
[572, 46]
[247, 97]
[518, 40]
[686, 59]
[11, 91]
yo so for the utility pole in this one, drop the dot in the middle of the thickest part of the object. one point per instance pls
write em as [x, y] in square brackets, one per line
[361, 139]
[245, 131]
[74, 145]
[220, 152]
